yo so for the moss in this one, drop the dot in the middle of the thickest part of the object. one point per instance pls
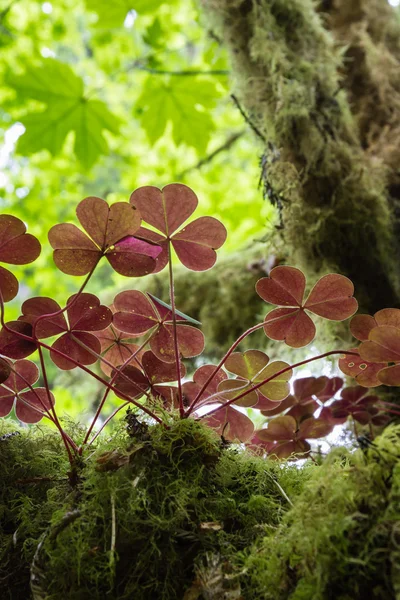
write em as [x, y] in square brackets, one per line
[164, 512]
[33, 469]
[148, 509]
[332, 189]
[340, 540]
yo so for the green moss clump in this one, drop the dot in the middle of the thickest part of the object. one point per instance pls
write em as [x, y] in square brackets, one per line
[332, 189]
[171, 513]
[33, 476]
[341, 539]
[148, 509]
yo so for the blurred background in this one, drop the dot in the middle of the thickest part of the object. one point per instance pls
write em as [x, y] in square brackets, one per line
[99, 99]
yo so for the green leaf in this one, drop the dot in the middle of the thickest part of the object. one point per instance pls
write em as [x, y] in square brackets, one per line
[112, 14]
[177, 312]
[186, 102]
[154, 34]
[56, 85]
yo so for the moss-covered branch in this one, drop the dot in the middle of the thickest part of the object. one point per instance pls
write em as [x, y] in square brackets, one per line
[324, 91]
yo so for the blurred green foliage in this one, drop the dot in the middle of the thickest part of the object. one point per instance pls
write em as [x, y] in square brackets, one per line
[98, 98]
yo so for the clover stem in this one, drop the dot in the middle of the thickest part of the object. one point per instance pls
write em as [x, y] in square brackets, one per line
[268, 379]
[109, 418]
[53, 412]
[32, 389]
[98, 378]
[176, 347]
[68, 305]
[82, 367]
[115, 375]
[57, 422]
[383, 406]
[220, 365]
[388, 404]
[106, 362]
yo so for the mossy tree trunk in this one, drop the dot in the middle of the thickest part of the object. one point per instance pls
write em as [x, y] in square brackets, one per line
[320, 85]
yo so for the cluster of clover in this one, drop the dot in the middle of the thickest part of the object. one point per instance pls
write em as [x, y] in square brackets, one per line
[151, 375]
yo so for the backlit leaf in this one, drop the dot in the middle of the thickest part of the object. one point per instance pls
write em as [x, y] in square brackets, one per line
[106, 224]
[332, 385]
[361, 325]
[165, 209]
[314, 428]
[12, 345]
[363, 371]
[67, 109]
[116, 349]
[71, 345]
[292, 326]
[159, 371]
[389, 375]
[307, 387]
[111, 230]
[278, 388]
[232, 424]
[113, 14]
[16, 246]
[383, 345]
[192, 388]
[280, 428]
[247, 364]
[30, 405]
[285, 287]
[332, 298]
[38, 307]
[196, 243]
[190, 342]
[183, 102]
[230, 388]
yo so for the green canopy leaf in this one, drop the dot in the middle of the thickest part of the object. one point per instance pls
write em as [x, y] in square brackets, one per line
[67, 109]
[113, 14]
[185, 102]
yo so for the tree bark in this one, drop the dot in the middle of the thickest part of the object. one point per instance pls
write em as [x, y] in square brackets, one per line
[321, 88]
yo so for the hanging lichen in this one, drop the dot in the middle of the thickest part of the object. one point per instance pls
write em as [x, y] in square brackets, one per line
[334, 194]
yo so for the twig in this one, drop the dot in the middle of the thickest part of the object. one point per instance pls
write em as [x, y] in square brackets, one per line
[113, 531]
[246, 118]
[207, 159]
[6, 10]
[183, 73]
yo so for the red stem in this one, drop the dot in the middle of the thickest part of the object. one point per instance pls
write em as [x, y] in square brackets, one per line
[383, 402]
[176, 347]
[220, 365]
[100, 407]
[94, 375]
[53, 412]
[107, 421]
[67, 306]
[106, 362]
[264, 381]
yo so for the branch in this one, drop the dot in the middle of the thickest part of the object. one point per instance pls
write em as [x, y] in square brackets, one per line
[229, 142]
[183, 73]
[246, 118]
